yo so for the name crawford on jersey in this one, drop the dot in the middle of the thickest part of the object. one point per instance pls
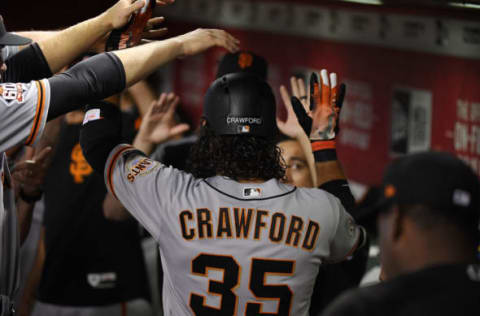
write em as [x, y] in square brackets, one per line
[254, 224]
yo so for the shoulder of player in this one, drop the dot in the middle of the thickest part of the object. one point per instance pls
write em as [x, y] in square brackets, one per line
[318, 194]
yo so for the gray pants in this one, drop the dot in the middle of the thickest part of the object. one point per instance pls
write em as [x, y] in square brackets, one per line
[138, 307]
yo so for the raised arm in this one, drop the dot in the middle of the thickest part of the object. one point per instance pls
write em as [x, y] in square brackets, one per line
[319, 119]
[109, 73]
[77, 39]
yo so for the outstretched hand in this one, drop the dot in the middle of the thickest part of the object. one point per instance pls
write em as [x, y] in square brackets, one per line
[200, 40]
[291, 127]
[30, 172]
[120, 13]
[158, 124]
[138, 28]
[319, 119]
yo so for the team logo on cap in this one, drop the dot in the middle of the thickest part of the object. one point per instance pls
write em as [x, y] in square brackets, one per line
[389, 191]
[245, 60]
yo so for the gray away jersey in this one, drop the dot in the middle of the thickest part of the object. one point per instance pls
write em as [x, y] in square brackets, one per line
[232, 248]
[23, 112]
[9, 239]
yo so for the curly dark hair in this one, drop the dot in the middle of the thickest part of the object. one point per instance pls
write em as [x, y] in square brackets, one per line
[238, 157]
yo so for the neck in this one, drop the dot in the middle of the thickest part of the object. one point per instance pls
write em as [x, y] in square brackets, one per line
[427, 251]
[251, 180]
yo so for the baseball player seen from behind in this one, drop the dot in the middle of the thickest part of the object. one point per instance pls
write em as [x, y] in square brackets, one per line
[234, 239]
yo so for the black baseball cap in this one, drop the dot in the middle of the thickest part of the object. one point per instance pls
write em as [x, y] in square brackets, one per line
[243, 61]
[10, 39]
[435, 179]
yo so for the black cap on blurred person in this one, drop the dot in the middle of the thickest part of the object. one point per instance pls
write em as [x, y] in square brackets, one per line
[438, 180]
[243, 61]
[10, 39]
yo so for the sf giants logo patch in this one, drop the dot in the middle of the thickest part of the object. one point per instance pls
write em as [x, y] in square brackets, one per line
[140, 166]
[10, 92]
[79, 167]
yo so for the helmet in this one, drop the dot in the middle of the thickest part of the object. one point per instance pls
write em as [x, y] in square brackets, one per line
[241, 104]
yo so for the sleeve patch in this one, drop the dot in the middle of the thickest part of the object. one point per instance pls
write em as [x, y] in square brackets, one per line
[10, 92]
[91, 115]
[139, 166]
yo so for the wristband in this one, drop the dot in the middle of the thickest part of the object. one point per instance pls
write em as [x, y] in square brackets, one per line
[324, 150]
[29, 198]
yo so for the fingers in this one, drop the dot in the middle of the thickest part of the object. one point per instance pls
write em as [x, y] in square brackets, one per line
[315, 98]
[325, 87]
[295, 88]
[333, 90]
[285, 97]
[164, 2]
[29, 153]
[179, 129]
[225, 40]
[153, 22]
[137, 5]
[43, 155]
[302, 116]
[301, 87]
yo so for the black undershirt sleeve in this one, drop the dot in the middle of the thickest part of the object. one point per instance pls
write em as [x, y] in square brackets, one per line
[341, 190]
[100, 135]
[27, 65]
[334, 279]
[91, 80]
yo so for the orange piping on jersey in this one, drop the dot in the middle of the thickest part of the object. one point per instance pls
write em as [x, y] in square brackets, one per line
[273, 285]
[322, 145]
[112, 165]
[37, 120]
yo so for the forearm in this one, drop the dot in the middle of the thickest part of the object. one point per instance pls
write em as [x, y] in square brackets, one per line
[153, 55]
[27, 301]
[25, 215]
[142, 144]
[114, 210]
[74, 41]
[331, 177]
[142, 95]
[307, 149]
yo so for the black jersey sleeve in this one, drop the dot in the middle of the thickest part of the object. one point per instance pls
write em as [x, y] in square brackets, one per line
[27, 65]
[341, 190]
[88, 81]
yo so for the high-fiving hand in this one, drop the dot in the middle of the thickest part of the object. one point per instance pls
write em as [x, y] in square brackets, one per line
[158, 124]
[319, 118]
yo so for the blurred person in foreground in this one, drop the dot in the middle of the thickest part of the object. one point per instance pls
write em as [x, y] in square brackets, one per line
[427, 219]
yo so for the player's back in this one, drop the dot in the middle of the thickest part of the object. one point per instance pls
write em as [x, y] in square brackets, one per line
[232, 248]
